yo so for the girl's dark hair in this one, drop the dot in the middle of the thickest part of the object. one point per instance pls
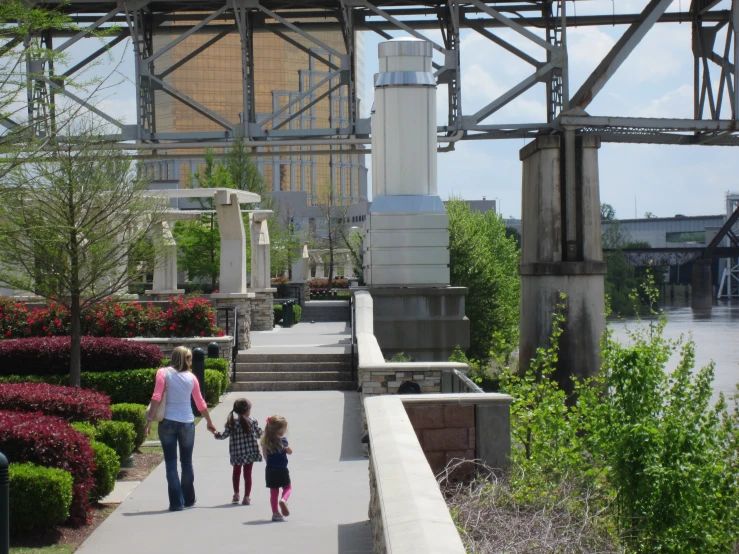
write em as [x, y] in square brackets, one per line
[242, 407]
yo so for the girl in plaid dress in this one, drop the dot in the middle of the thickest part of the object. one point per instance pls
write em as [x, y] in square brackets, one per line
[244, 432]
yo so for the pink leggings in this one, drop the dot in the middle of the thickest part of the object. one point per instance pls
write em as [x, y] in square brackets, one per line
[274, 493]
[247, 479]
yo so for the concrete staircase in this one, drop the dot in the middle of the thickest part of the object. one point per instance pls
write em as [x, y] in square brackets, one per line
[293, 372]
[326, 310]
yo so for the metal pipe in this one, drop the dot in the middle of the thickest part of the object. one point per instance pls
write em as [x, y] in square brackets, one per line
[4, 505]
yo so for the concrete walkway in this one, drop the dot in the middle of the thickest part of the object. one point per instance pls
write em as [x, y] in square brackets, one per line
[303, 338]
[328, 505]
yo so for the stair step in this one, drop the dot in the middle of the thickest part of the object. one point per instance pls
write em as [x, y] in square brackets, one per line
[292, 358]
[254, 377]
[268, 367]
[293, 386]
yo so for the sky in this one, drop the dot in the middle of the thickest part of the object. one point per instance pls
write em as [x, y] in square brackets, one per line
[655, 81]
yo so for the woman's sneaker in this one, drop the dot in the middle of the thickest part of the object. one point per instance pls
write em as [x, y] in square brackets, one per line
[277, 517]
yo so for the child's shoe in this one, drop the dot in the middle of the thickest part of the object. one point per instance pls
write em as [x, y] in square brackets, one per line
[235, 499]
[283, 508]
[277, 517]
[246, 501]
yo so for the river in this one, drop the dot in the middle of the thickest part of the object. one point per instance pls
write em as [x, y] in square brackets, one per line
[716, 338]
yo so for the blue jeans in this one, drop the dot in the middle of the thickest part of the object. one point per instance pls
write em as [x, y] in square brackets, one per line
[172, 433]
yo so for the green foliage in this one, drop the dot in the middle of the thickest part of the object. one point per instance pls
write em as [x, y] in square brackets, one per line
[297, 313]
[119, 435]
[400, 357]
[40, 497]
[134, 414]
[214, 386]
[485, 260]
[607, 212]
[132, 386]
[107, 466]
[85, 428]
[645, 449]
[277, 308]
[222, 367]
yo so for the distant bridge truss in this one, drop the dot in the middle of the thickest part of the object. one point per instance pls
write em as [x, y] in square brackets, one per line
[543, 23]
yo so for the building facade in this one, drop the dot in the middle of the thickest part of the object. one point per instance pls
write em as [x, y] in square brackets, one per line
[281, 73]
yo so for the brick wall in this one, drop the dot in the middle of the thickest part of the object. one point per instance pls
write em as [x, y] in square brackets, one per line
[386, 381]
[445, 433]
[262, 312]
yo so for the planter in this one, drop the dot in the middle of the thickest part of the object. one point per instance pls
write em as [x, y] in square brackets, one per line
[167, 345]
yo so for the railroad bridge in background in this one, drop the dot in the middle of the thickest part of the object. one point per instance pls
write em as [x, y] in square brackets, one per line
[561, 246]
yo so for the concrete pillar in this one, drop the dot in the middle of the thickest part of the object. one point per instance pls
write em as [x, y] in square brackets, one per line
[260, 257]
[561, 253]
[702, 298]
[233, 243]
[165, 273]
[320, 271]
[301, 265]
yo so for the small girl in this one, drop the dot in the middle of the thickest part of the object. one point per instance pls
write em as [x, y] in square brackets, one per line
[243, 446]
[276, 449]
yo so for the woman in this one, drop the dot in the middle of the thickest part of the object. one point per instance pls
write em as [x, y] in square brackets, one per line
[178, 425]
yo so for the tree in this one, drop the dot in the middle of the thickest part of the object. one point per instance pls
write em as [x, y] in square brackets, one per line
[650, 215]
[483, 259]
[607, 212]
[333, 217]
[76, 226]
[355, 243]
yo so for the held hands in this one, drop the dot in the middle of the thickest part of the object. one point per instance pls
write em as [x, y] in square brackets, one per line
[212, 429]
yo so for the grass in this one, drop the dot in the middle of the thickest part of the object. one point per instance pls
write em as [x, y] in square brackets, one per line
[55, 549]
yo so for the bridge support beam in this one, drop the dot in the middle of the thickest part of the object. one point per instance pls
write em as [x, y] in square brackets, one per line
[562, 253]
[702, 298]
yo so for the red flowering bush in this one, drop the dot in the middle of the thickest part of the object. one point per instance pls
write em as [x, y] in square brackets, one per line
[49, 441]
[281, 280]
[50, 355]
[13, 319]
[70, 403]
[338, 283]
[117, 319]
[190, 317]
[186, 317]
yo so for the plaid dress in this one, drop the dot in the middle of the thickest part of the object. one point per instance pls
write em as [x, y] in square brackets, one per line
[243, 447]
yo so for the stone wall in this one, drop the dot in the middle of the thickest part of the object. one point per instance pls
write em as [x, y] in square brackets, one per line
[386, 380]
[169, 344]
[262, 311]
[445, 433]
[224, 319]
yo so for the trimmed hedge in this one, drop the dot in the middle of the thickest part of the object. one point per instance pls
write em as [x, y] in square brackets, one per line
[87, 429]
[107, 466]
[51, 442]
[119, 435]
[134, 386]
[297, 313]
[134, 414]
[40, 497]
[70, 403]
[50, 355]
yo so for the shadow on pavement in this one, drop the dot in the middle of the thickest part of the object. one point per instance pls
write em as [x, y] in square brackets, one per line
[149, 513]
[261, 522]
[356, 538]
[351, 430]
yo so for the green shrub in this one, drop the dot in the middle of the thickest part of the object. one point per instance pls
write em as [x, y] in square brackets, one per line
[84, 428]
[277, 308]
[132, 413]
[107, 466]
[40, 497]
[297, 313]
[223, 367]
[214, 386]
[119, 435]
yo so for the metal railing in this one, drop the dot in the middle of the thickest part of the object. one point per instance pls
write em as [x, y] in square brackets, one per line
[235, 337]
[354, 364]
[454, 381]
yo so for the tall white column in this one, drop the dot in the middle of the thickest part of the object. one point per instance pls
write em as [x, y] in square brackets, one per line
[233, 243]
[260, 256]
[165, 272]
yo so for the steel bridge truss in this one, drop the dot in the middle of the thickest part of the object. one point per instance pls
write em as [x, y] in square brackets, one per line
[716, 102]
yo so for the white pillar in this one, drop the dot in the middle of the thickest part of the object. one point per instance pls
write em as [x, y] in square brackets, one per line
[301, 265]
[165, 272]
[320, 271]
[260, 258]
[233, 243]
